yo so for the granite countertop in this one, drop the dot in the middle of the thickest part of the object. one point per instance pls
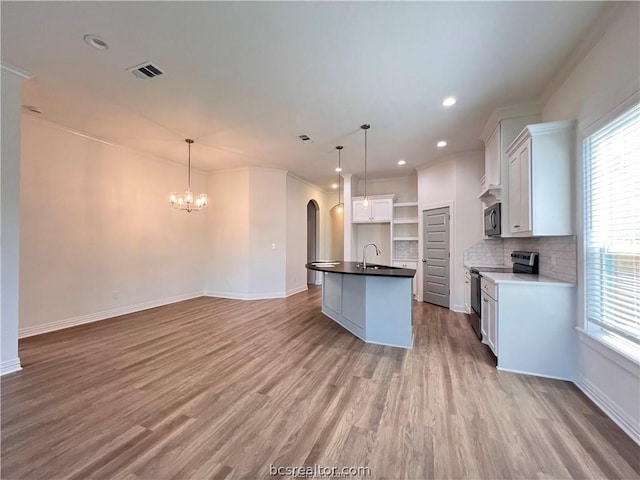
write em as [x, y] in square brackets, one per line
[354, 268]
[497, 277]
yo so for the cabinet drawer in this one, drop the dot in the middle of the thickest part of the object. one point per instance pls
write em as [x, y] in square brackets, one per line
[405, 264]
[489, 288]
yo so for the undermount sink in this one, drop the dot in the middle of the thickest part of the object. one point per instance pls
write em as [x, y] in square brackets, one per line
[378, 267]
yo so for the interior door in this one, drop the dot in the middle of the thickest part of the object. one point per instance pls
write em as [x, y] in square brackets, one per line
[435, 259]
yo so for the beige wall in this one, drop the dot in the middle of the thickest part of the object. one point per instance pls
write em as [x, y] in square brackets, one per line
[227, 233]
[98, 236]
[299, 193]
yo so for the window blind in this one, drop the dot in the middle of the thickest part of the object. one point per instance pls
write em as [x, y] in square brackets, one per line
[612, 226]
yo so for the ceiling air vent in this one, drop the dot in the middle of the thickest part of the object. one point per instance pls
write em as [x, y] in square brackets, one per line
[304, 138]
[145, 70]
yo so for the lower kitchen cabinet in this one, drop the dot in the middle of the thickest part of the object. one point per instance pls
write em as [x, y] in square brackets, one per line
[530, 325]
[467, 290]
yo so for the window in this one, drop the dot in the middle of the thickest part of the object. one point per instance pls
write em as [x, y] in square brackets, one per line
[612, 228]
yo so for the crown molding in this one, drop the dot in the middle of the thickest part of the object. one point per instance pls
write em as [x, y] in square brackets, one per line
[7, 67]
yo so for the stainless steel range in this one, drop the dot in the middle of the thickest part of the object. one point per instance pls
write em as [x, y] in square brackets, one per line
[523, 262]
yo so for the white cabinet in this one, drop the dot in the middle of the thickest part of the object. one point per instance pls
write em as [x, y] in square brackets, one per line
[379, 210]
[501, 129]
[489, 311]
[492, 158]
[540, 192]
[529, 325]
[520, 189]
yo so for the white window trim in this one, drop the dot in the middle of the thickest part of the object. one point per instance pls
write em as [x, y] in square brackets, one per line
[626, 357]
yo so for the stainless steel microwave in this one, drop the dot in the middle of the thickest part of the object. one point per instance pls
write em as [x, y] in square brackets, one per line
[492, 221]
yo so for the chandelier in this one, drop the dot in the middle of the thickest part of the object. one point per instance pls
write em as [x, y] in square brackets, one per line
[187, 201]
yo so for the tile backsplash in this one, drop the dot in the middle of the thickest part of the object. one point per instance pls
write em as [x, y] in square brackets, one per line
[558, 255]
[405, 249]
[485, 253]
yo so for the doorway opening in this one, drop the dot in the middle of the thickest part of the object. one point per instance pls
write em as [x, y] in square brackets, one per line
[312, 238]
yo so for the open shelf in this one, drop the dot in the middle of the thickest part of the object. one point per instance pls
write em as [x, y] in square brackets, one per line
[405, 204]
[400, 239]
[405, 220]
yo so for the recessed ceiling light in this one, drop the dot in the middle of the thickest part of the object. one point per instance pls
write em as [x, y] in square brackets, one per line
[95, 41]
[447, 102]
[441, 144]
[401, 162]
[338, 169]
[334, 185]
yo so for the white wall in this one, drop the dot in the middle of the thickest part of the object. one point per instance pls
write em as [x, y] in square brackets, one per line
[605, 81]
[98, 237]
[453, 182]
[10, 221]
[299, 193]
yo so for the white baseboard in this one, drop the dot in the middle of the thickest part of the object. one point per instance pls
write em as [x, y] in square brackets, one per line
[95, 317]
[244, 296]
[459, 309]
[608, 406]
[10, 366]
[293, 291]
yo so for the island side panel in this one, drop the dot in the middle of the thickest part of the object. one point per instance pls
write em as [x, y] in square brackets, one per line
[342, 294]
[389, 310]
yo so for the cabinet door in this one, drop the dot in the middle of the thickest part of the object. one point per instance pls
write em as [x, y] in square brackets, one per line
[484, 318]
[524, 155]
[381, 210]
[361, 213]
[514, 192]
[493, 325]
[492, 156]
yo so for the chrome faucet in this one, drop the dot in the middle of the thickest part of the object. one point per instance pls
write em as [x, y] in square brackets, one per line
[364, 253]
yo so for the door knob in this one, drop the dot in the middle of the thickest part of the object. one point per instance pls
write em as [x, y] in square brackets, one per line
[424, 261]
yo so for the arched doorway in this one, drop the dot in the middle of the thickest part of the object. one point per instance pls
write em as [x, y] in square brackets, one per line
[312, 238]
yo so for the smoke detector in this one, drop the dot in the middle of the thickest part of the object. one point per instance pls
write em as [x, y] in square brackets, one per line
[145, 70]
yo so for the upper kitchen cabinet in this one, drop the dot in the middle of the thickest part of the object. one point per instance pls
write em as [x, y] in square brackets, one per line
[540, 193]
[379, 210]
[500, 130]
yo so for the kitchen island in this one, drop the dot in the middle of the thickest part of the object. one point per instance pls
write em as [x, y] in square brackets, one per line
[373, 303]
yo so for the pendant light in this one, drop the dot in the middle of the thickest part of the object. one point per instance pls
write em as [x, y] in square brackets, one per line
[365, 127]
[187, 201]
[339, 169]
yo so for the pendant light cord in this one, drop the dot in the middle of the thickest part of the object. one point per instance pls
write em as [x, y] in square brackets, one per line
[365, 163]
[189, 183]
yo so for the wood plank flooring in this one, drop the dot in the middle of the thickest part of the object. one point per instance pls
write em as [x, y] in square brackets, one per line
[215, 388]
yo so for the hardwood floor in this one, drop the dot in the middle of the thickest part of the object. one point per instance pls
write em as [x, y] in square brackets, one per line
[214, 388]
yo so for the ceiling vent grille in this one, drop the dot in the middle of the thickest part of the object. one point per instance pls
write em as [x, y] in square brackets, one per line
[304, 138]
[145, 70]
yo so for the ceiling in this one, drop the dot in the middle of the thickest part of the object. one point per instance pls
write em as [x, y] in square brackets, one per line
[245, 78]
